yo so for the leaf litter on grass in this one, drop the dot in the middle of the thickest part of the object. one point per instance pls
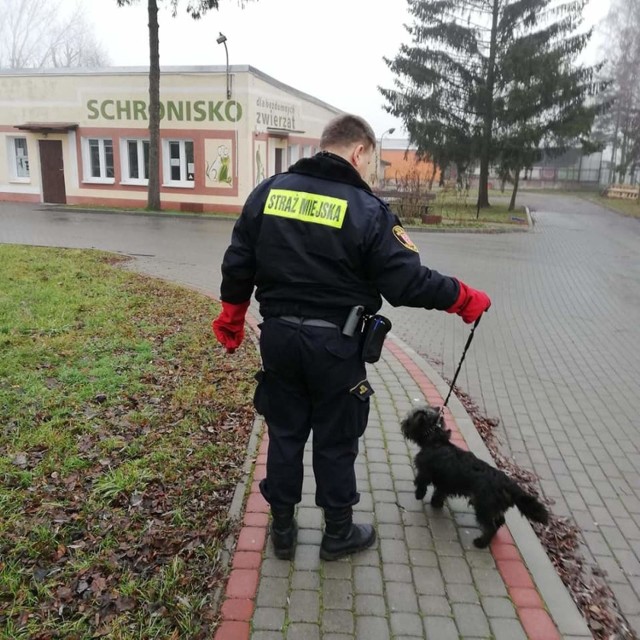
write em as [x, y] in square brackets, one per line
[124, 431]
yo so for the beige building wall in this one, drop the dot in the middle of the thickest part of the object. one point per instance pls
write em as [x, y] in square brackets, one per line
[214, 148]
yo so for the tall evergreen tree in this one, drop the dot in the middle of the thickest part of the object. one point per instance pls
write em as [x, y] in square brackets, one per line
[196, 9]
[466, 76]
[548, 101]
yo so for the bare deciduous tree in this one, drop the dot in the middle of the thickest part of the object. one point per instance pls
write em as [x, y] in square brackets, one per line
[622, 55]
[38, 34]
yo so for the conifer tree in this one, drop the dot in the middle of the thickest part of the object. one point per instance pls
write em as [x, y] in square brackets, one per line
[493, 77]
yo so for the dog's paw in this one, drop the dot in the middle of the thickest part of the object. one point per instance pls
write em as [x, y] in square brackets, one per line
[420, 493]
[481, 542]
[437, 503]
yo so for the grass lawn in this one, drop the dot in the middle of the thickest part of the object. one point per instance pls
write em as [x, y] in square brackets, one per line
[626, 207]
[461, 211]
[124, 430]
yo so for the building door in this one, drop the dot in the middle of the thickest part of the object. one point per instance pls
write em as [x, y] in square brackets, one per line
[52, 169]
[278, 163]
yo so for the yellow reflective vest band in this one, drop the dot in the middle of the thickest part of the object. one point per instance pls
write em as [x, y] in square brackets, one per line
[306, 207]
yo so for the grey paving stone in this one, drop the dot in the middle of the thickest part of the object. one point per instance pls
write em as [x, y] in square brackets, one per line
[387, 513]
[489, 582]
[303, 631]
[370, 557]
[406, 624]
[471, 620]
[507, 629]
[370, 605]
[440, 628]
[394, 551]
[337, 594]
[368, 580]
[434, 606]
[372, 628]
[496, 607]
[268, 618]
[384, 495]
[390, 531]
[455, 570]
[337, 569]
[273, 592]
[397, 573]
[401, 596]
[310, 536]
[337, 621]
[266, 635]
[466, 593]
[307, 558]
[428, 581]
[448, 547]
[304, 606]
[275, 567]
[418, 538]
[305, 580]
[336, 636]
[421, 558]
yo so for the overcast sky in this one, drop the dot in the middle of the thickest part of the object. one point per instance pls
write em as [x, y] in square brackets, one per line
[331, 49]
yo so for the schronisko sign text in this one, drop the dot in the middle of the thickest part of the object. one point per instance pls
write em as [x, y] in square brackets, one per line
[173, 110]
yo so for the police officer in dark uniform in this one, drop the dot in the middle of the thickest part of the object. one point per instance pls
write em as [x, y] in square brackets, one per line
[315, 242]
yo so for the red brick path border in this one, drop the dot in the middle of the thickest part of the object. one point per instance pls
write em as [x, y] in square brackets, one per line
[535, 619]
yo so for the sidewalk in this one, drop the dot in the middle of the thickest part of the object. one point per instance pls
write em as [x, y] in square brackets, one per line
[423, 578]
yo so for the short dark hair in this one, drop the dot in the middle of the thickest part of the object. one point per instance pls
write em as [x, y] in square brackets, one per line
[345, 130]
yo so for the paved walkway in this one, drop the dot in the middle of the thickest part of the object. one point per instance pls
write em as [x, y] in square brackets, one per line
[557, 358]
[424, 578]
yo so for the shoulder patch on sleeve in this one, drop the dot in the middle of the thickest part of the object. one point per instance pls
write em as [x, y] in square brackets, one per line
[403, 238]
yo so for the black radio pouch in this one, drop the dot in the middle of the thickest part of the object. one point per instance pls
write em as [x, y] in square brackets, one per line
[374, 332]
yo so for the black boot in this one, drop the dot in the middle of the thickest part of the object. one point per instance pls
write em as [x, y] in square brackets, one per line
[342, 537]
[284, 531]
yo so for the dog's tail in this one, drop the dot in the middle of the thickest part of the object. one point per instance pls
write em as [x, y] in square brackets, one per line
[530, 507]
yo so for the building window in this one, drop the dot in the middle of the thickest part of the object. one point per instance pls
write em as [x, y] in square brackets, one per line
[19, 159]
[179, 168]
[135, 161]
[306, 151]
[294, 154]
[98, 160]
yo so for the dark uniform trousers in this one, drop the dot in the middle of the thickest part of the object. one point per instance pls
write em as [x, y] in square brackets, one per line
[309, 383]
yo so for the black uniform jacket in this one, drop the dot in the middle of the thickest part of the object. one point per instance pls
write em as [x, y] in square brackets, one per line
[315, 241]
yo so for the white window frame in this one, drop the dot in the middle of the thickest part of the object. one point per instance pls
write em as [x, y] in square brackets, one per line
[166, 163]
[293, 154]
[124, 160]
[12, 153]
[86, 161]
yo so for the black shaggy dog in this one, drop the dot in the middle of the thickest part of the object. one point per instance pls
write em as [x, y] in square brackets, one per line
[455, 472]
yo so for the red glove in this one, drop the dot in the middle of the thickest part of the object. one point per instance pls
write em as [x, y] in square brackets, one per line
[471, 303]
[229, 325]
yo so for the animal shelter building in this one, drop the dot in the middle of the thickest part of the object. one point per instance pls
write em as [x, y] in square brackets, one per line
[80, 137]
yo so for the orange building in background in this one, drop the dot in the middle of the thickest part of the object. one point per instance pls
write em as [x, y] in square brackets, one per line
[399, 165]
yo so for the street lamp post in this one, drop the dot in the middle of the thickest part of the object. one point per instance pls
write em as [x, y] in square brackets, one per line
[222, 39]
[380, 169]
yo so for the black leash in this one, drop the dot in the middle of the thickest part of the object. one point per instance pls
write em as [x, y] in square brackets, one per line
[455, 377]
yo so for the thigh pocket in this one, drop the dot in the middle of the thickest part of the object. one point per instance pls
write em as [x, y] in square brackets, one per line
[260, 396]
[360, 394]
